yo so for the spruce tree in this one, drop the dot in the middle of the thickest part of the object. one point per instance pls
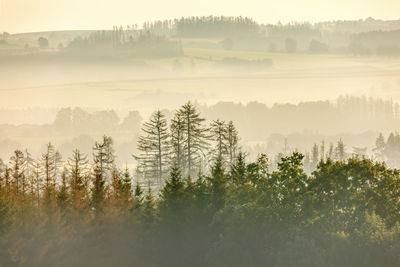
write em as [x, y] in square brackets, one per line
[49, 170]
[219, 135]
[62, 194]
[218, 185]
[17, 163]
[138, 196]
[233, 141]
[195, 137]
[103, 157]
[77, 169]
[177, 131]
[238, 169]
[154, 145]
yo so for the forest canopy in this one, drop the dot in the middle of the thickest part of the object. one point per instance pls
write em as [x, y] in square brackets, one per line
[196, 200]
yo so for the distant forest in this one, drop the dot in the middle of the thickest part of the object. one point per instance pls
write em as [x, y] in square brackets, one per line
[355, 120]
[196, 200]
[167, 38]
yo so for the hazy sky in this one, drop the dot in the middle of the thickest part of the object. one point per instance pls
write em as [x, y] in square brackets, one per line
[40, 15]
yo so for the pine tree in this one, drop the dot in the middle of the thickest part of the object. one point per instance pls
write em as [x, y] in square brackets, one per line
[138, 196]
[49, 169]
[218, 185]
[233, 142]
[148, 209]
[195, 137]
[126, 187]
[178, 141]
[238, 169]
[37, 180]
[103, 157]
[7, 182]
[6, 227]
[17, 163]
[98, 189]
[219, 134]
[173, 190]
[62, 194]
[77, 169]
[154, 146]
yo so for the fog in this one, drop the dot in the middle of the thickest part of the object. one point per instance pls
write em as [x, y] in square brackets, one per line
[200, 141]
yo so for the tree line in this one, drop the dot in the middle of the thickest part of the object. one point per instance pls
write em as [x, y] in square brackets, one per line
[228, 212]
[123, 42]
[187, 144]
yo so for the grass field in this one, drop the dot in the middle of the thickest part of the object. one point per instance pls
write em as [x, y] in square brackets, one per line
[204, 58]
[292, 78]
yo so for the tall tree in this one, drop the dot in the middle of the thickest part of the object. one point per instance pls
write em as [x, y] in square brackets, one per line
[49, 169]
[178, 141]
[49, 166]
[219, 135]
[218, 185]
[195, 137]
[77, 169]
[103, 157]
[37, 181]
[154, 145]
[17, 163]
[233, 141]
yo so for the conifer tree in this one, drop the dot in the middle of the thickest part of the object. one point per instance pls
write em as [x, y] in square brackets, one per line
[154, 145]
[6, 224]
[126, 188]
[195, 137]
[36, 177]
[103, 157]
[98, 189]
[77, 169]
[233, 141]
[62, 194]
[148, 209]
[49, 170]
[238, 169]
[219, 134]
[138, 196]
[218, 185]
[7, 182]
[177, 130]
[17, 163]
[173, 190]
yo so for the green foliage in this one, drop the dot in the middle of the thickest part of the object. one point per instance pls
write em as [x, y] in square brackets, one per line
[345, 213]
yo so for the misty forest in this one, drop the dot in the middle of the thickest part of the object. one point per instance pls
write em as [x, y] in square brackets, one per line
[201, 141]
